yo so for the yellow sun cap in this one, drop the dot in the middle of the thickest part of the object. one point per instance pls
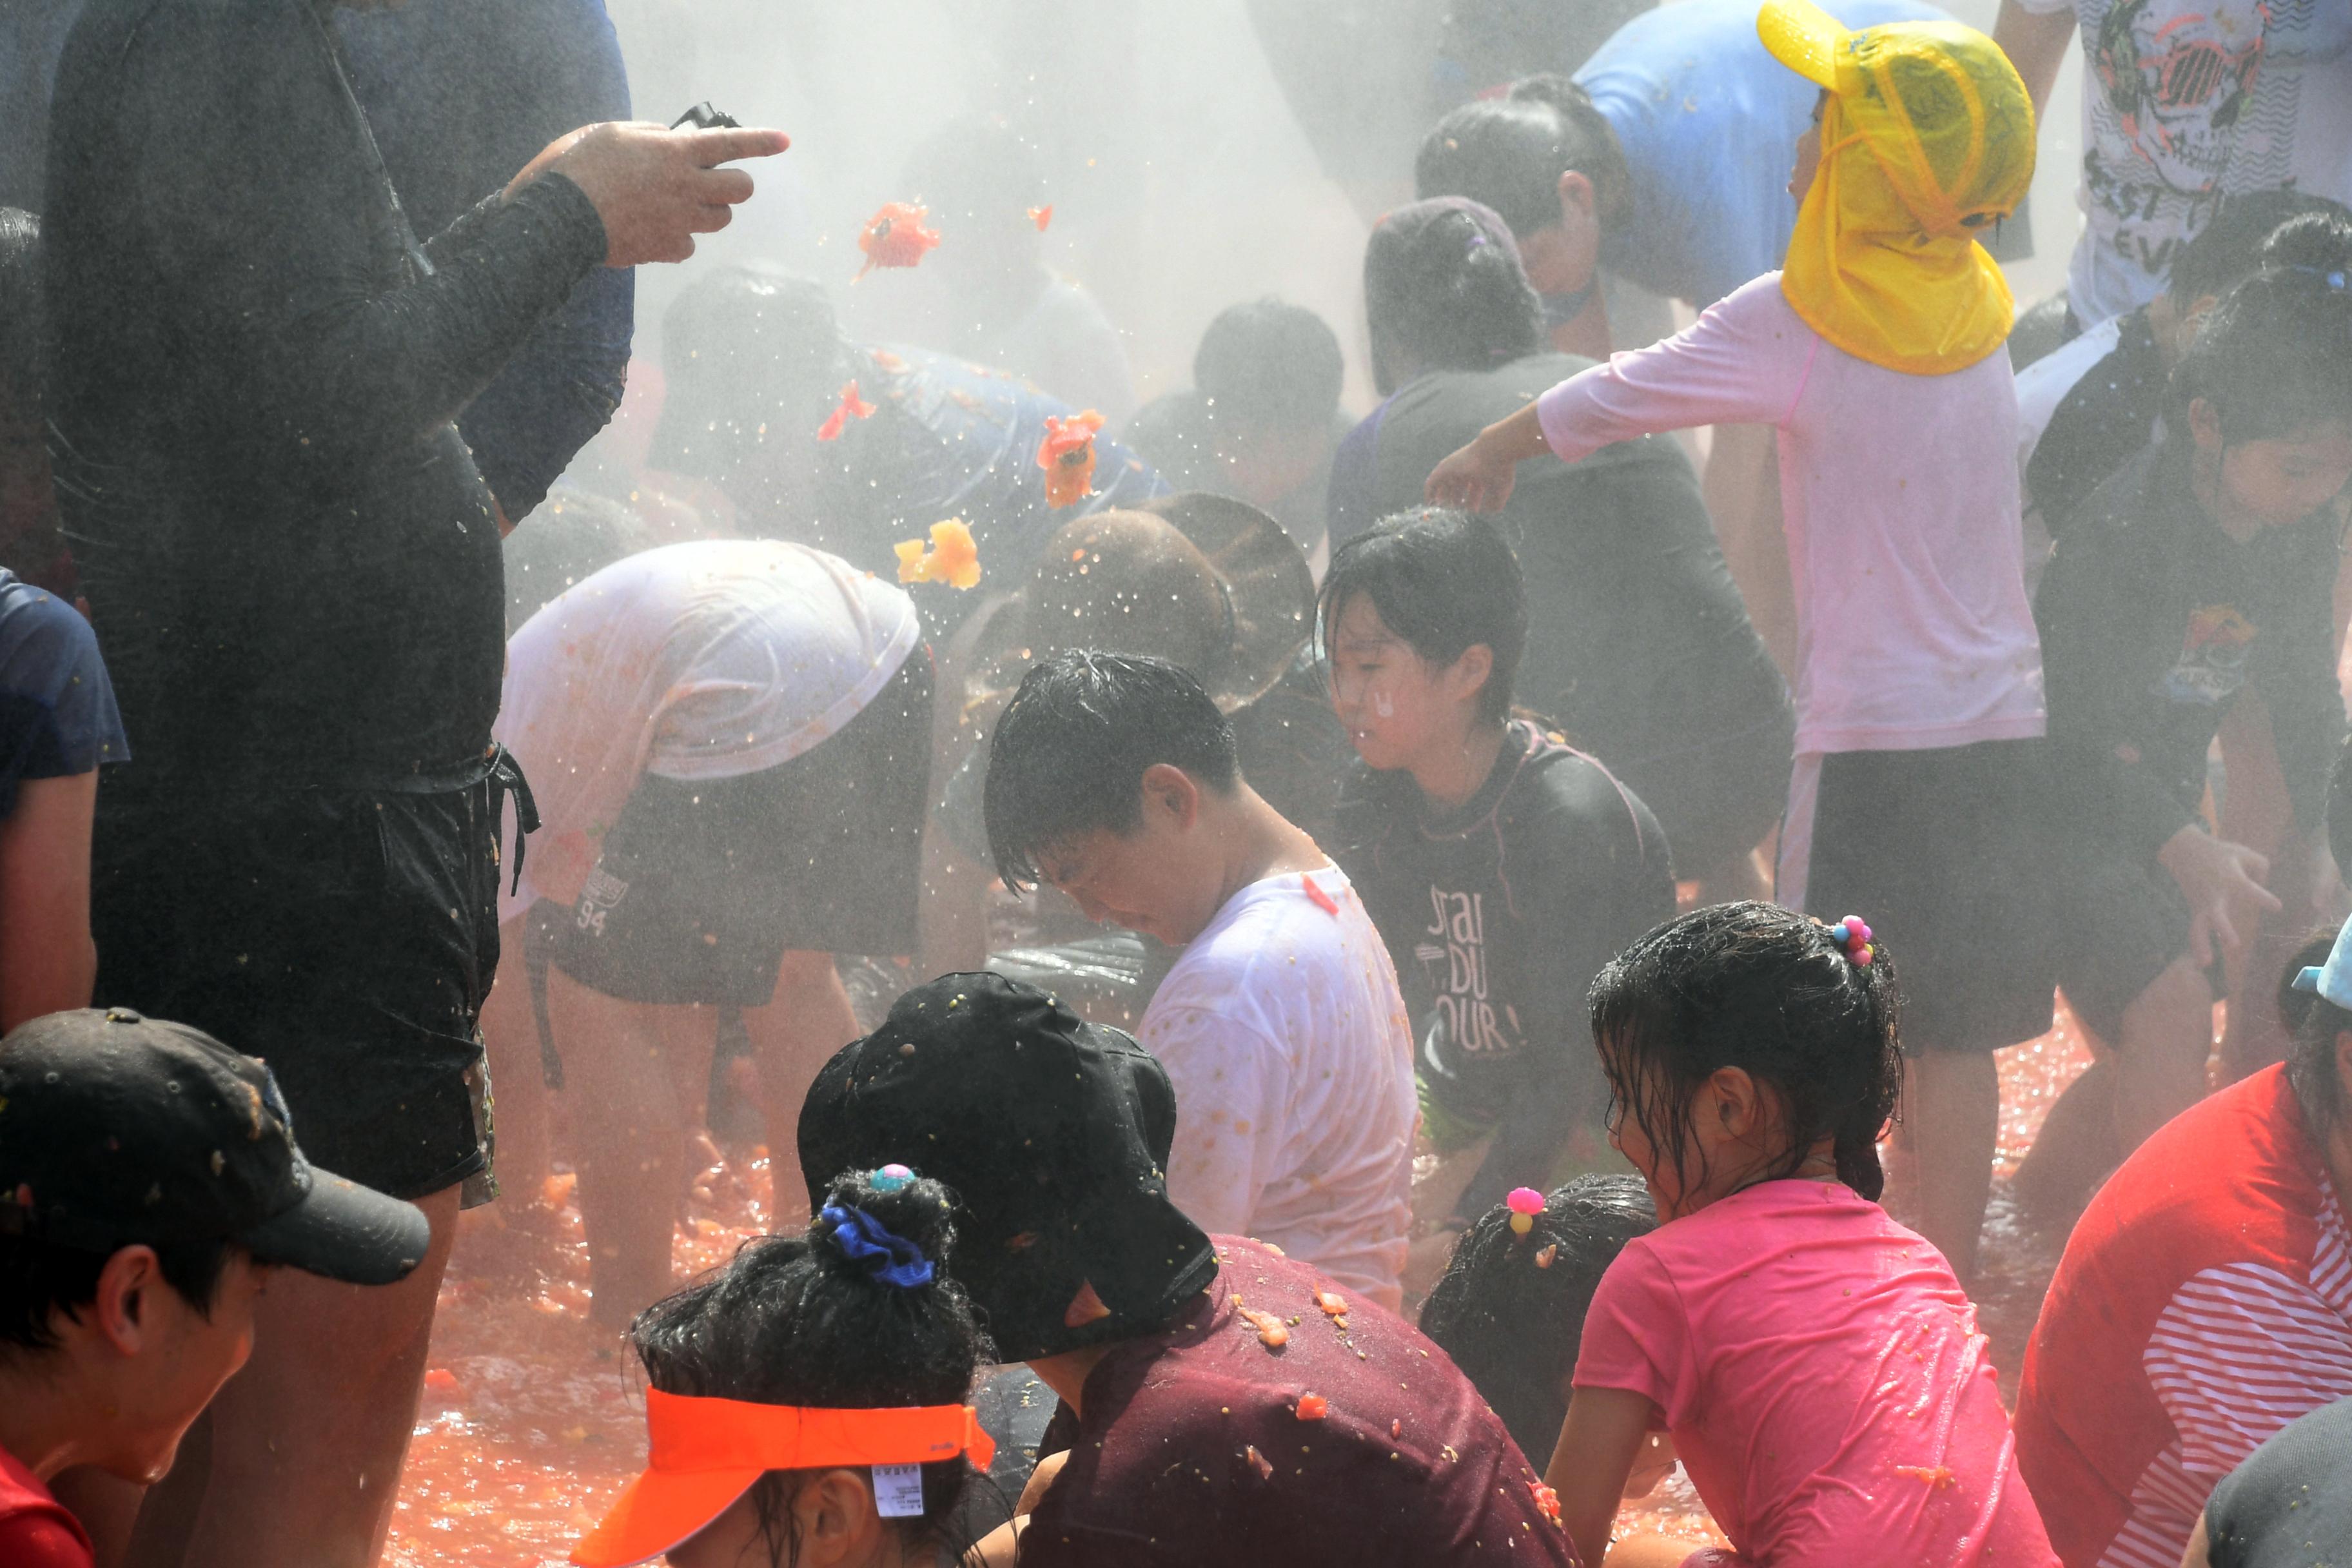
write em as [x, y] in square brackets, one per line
[1804, 37]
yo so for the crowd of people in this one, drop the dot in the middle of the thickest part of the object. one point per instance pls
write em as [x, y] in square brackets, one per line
[1312, 988]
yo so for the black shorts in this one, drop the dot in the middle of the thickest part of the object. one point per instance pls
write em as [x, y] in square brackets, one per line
[703, 885]
[347, 938]
[2121, 924]
[1945, 853]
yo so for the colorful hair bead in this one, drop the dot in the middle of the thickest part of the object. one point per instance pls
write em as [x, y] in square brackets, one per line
[890, 1178]
[1524, 1203]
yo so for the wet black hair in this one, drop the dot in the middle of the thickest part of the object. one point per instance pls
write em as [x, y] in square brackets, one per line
[979, 176]
[1071, 749]
[2275, 359]
[1510, 1308]
[1270, 364]
[570, 535]
[21, 314]
[1509, 154]
[1445, 581]
[794, 1320]
[2312, 1024]
[2229, 249]
[1754, 986]
[1442, 284]
[40, 1281]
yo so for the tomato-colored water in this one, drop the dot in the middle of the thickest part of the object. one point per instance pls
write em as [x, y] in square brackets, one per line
[533, 1422]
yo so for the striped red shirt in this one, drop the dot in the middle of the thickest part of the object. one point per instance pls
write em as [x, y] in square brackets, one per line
[2204, 1302]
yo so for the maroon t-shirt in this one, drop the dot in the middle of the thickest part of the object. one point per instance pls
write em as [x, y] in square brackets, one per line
[1356, 1442]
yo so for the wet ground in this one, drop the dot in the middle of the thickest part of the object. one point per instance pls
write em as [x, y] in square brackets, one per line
[533, 1422]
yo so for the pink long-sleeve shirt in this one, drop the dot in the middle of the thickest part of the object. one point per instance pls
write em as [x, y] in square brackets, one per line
[1899, 497]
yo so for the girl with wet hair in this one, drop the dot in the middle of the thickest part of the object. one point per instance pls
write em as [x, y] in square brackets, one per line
[1817, 1366]
[807, 1400]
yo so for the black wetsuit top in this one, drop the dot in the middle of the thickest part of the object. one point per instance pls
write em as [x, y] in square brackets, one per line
[2152, 620]
[1498, 915]
[291, 557]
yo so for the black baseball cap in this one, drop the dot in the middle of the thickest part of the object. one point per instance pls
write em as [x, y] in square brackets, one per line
[1054, 1135]
[118, 1130]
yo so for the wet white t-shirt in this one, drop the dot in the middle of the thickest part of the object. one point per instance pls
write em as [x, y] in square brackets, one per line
[704, 660]
[1283, 1030]
[2186, 102]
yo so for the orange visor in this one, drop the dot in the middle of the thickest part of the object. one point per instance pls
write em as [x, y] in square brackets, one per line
[706, 1452]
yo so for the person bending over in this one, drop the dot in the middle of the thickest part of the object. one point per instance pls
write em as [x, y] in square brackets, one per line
[807, 1400]
[1260, 421]
[1503, 867]
[1817, 1366]
[1639, 646]
[2203, 570]
[1115, 779]
[2086, 409]
[1220, 1400]
[1510, 1306]
[733, 736]
[150, 1186]
[1876, 354]
[757, 368]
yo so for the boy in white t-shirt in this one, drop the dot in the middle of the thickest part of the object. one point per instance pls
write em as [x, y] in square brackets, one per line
[1281, 1025]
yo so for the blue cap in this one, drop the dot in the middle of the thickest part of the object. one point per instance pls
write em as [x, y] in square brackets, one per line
[2332, 982]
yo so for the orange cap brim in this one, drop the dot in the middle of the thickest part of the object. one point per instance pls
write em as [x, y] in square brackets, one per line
[706, 1452]
[1804, 37]
[658, 1510]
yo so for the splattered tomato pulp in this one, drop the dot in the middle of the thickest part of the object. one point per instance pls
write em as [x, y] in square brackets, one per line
[532, 1420]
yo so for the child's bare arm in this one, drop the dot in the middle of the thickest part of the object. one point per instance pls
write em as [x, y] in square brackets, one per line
[1606, 1430]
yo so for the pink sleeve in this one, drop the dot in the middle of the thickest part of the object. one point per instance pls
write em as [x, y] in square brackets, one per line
[42, 1539]
[1741, 363]
[1636, 1335]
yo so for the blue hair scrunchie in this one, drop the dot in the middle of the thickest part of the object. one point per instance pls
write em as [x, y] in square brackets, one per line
[861, 1236]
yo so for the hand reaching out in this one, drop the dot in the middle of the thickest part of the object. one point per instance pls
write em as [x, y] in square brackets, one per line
[1479, 477]
[2223, 884]
[655, 188]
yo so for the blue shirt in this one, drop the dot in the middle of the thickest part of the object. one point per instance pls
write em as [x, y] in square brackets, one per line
[57, 707]
[1709, 122]
[461, 94]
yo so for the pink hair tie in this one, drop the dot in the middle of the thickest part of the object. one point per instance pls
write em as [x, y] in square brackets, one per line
[1851, 934]
[1524, 1203]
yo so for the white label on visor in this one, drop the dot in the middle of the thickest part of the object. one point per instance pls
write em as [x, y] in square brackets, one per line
[898, 1491]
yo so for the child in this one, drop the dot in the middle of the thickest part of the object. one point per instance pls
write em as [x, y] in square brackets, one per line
[1876, 355]
[1510, 1310]
[807, 1400]
[149, 1181]
[1503, 867]
[1816, 1364]
[2197, 575]
[1115, 779]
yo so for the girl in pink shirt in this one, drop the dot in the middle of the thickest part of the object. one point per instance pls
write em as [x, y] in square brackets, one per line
[1876, 354]
[1816, 1365]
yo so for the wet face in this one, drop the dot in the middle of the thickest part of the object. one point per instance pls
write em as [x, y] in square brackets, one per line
[2250, 486]
[1164, 879]
[1809, 153]
[1559, 257]
[174, 1358]
[1396, 706]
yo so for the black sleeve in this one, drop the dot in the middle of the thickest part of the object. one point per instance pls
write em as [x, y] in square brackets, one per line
[2293, 669]
[264, 209]
[2088, 610]
[1585, 911]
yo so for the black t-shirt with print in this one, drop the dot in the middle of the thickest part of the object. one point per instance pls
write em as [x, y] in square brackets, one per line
[2152, 621]
[1498, 915]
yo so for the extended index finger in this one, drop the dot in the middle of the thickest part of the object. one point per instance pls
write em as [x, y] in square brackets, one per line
[724, 146]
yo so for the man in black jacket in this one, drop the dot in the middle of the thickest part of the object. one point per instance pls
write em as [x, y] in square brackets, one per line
[294, 567]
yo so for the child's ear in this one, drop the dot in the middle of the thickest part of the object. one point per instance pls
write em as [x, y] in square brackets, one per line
[1471, 671]
[1738, 1102]
[126, 1291]
[836, 1516]
[2204, 425]
[1171, 790]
